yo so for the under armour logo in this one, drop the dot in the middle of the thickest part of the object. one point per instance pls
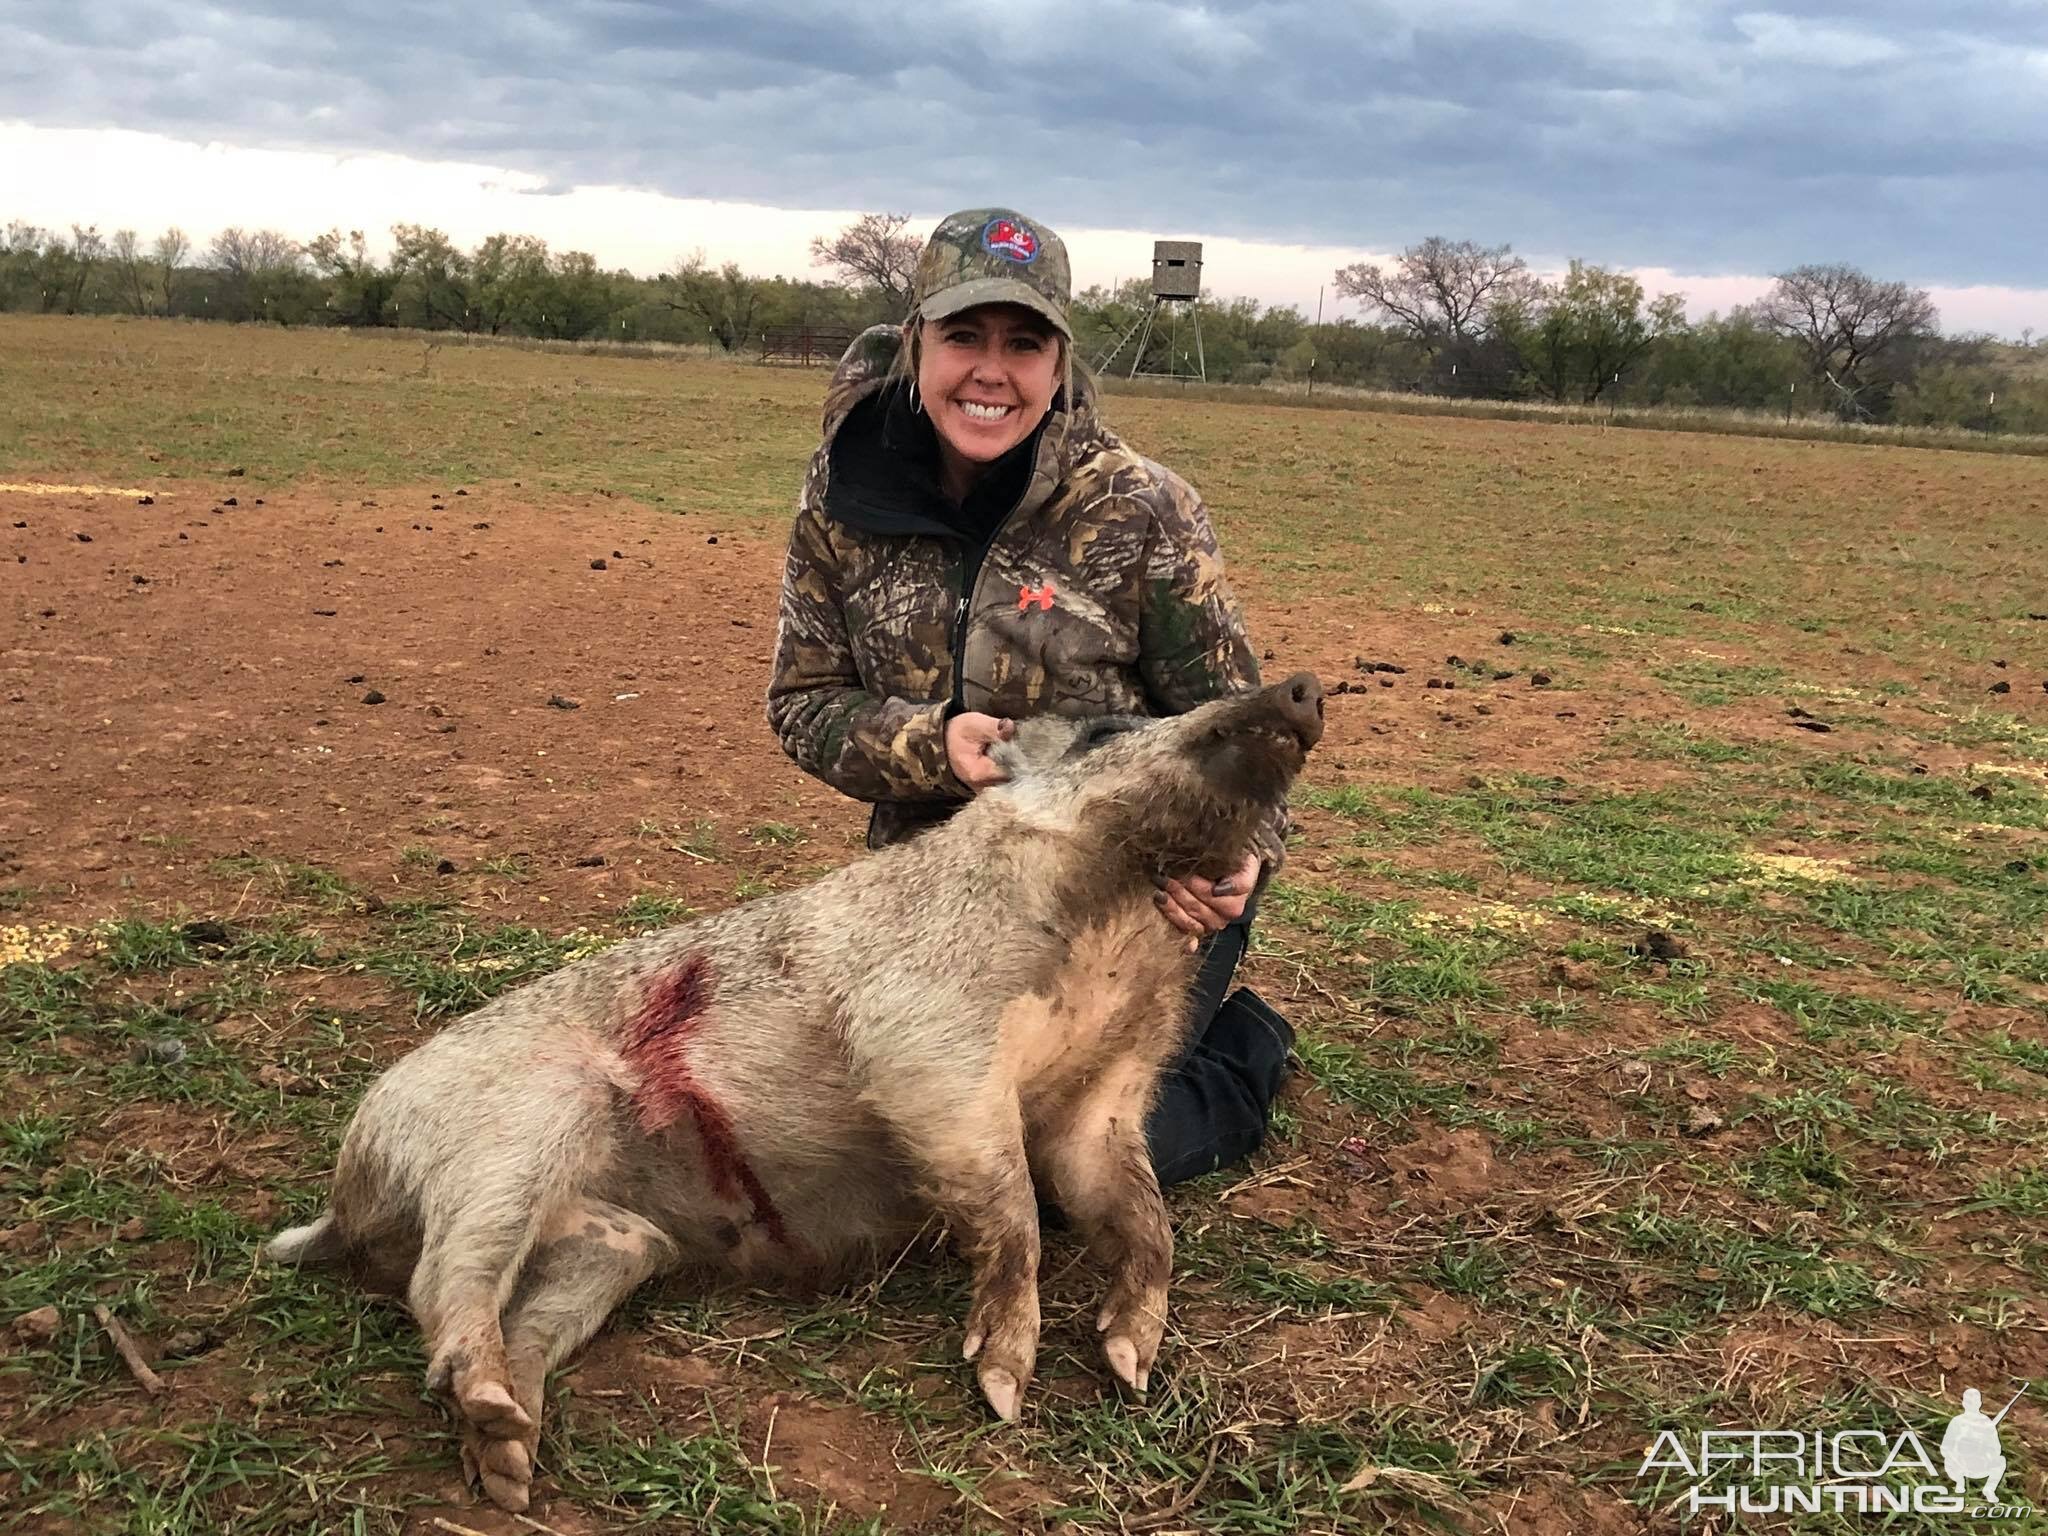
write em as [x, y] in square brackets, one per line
[1042, 596]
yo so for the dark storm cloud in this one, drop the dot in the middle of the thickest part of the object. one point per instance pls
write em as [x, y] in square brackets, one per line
[1706, 136]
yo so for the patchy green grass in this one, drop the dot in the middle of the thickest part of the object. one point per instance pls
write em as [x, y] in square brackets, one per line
[1542, 1186]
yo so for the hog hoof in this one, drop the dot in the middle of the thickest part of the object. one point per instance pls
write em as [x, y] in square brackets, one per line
[498, 1437]
[490, 1406]
[1133, 1321]
[1003, 1391]
[1122, 1356]
[502, 1468]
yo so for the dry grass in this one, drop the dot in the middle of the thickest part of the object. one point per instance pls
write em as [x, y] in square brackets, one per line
[1541, 1192]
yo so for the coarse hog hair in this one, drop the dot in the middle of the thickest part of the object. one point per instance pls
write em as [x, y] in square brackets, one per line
[956, 1025]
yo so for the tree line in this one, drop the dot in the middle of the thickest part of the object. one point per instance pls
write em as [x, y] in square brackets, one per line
[1444, 317]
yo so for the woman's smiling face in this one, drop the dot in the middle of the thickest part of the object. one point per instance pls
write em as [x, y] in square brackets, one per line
[986, 377]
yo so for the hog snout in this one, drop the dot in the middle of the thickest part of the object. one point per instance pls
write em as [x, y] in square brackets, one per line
[1299, 701]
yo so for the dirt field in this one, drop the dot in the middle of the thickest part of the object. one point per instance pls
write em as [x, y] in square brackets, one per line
[1667, 930]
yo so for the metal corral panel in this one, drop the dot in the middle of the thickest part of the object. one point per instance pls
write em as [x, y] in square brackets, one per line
[1177, 269]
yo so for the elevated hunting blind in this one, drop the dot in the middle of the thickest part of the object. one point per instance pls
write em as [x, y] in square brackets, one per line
[1176, 269]
[1176, 282]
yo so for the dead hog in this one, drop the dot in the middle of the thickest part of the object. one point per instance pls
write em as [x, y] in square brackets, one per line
[953, 1025]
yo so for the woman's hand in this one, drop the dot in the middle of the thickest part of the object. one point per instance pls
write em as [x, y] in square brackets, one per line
[968, 739]
[1199, 907]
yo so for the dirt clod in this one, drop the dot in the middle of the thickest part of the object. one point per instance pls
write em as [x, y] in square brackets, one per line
[374, 696]
[1539, 679]
[1507, 637]
[1576, 974]
[556, 701]
[283, 1079]
[445, 867]
[2001, 686]
[1702, 1121]
[1443, 1170]
[159, 1050]
[1656, 944]
[1981, 792]
[39, 1326]
[188, 1342]
[599, 565]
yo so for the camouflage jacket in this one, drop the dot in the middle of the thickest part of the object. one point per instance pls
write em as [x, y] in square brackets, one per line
[1101, 592]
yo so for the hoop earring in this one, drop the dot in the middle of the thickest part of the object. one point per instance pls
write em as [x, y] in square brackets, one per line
[916, 404]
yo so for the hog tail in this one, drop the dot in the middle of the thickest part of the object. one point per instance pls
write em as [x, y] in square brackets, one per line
[318, 1242]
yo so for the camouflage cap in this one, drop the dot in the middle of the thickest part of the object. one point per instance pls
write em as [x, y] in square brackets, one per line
[993, 256]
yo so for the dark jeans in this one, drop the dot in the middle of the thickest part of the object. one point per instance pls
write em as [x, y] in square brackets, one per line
[1213, 1102]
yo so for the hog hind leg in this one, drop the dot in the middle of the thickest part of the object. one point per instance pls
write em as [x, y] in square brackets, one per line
[470, 1264]
[1094, 1156]
[465, 1273]
[588, 1258]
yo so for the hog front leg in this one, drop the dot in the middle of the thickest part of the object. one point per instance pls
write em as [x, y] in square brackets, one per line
[1100, 1170]
[969, 1157]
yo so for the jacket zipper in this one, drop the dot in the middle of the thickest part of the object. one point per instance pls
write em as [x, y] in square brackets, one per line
[967, 590]
[960, 612]
[966, 604]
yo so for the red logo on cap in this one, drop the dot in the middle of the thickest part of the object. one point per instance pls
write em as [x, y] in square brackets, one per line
[1006, 237]
[1042, 596]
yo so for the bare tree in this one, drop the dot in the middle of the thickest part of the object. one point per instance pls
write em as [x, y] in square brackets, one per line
[127, 254]
[1846, 322]
[1440, 290]
[169, 253]
[873, 250]
[253, 265]
[87, 250]
[237, 252]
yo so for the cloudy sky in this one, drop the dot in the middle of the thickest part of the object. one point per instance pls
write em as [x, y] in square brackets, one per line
[1706, 143]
